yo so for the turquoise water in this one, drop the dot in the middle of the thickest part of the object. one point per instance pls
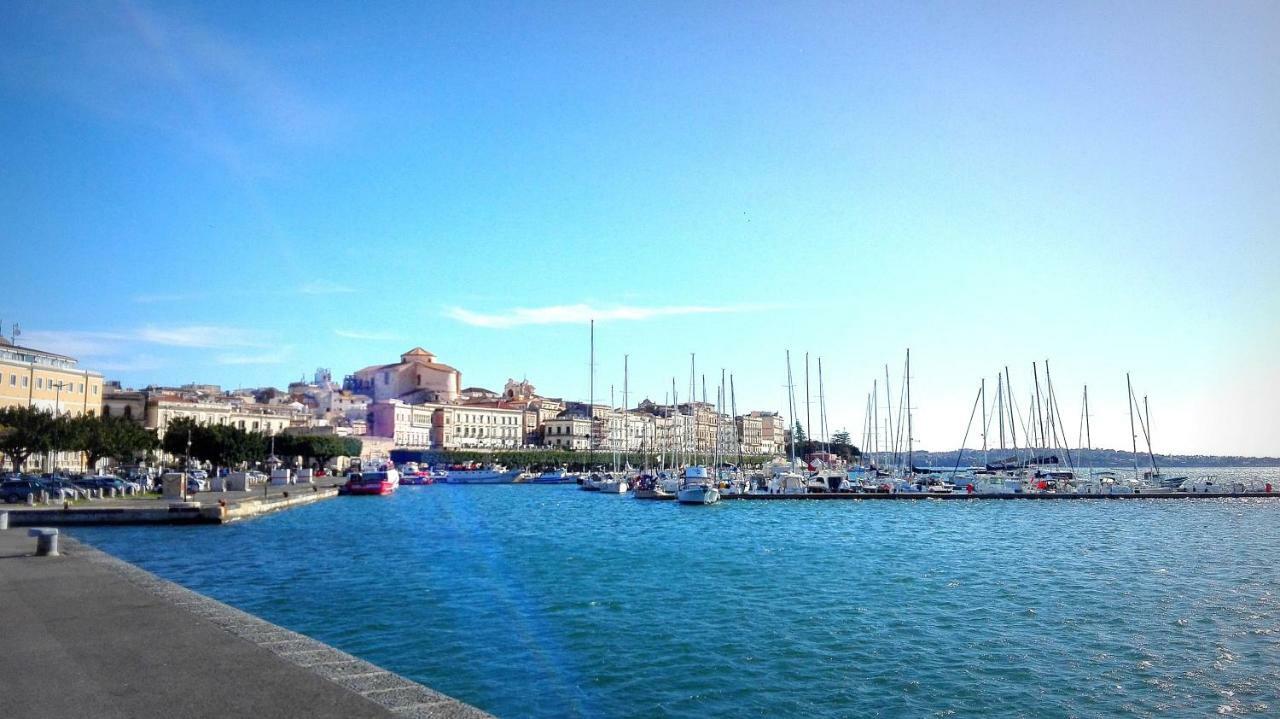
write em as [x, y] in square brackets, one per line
[546, 601]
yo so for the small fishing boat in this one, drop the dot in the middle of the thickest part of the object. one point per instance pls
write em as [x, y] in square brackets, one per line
[381, 482]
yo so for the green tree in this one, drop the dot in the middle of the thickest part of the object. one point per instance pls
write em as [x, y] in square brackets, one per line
[798, 436]
[318, 449]
[110, 437]
[841, 437]
[25, 431]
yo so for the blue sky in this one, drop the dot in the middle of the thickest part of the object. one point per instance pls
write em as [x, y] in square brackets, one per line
[238, 194]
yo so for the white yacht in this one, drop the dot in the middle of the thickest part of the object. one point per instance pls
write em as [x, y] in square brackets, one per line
[696, 487]
[480, 475]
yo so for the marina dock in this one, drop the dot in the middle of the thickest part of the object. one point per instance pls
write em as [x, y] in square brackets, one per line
[90, 635]
[201, 508]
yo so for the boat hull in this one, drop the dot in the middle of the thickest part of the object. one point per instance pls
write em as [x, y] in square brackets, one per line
[698, 495]
[652, 494]
[481, 477]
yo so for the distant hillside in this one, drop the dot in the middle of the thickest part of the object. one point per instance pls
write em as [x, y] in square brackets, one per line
[1099, 458]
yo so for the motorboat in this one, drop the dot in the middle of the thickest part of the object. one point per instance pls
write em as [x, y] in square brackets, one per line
[650, 487]
[553, 476]
[613, 485]
[380, 482]
[696, 487]
[469, 474]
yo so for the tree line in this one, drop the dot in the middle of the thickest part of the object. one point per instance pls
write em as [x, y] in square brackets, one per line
[27, 431]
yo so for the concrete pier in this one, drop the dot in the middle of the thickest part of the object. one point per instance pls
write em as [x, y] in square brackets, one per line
[88, 635]
[199, 508]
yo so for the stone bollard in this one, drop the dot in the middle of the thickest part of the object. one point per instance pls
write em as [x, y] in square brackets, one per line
[31, 499]
[4, 521]
[46, 541]
[44, 497]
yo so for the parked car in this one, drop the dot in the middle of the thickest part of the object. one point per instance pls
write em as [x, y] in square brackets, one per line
[68, 488]
[17, 490]
[197, 484]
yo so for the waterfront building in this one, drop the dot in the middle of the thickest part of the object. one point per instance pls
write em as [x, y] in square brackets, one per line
[748, 428]
[35, 378]
[157, 407]
[446, 426]
[567, 432]
[32, 377]
[416, 379]
[773, 438]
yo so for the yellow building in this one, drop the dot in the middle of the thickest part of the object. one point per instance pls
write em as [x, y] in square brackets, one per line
[53, 382]
[34, 378]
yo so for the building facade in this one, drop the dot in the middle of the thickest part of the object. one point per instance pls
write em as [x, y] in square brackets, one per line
[35, 378]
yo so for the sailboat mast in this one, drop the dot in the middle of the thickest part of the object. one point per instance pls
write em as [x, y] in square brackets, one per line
[791, 409]
[889, 439]
[591, 401]
[733, 408]
[626, 416]
[1088, 436]
[822, 409]
[910, 448]
[1057, 415]
[808, 421]
[1132, 432]
[1039, 421]
[1000, 405]
[677, 433]
[875, 420]
[1146, 409]
[983, 393]
[1013, 426]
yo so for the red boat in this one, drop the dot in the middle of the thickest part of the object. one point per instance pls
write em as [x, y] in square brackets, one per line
[383, 482]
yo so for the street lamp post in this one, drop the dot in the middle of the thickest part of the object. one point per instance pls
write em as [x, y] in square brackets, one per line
[57, 407]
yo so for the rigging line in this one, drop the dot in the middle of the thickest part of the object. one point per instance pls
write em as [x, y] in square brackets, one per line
[964, 441]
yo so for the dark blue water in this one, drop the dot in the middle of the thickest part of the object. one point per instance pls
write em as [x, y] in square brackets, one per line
[547, 601]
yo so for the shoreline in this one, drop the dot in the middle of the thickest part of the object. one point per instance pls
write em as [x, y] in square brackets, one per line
[243, 649]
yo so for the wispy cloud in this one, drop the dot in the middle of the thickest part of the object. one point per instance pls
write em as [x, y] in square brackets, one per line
[581, 313]
[369, 336]
[125, 350]
[203, 336]
[309, 289]
[279, 356]
[211, 88]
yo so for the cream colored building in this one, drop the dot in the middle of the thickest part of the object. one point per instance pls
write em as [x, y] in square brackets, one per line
[35, 378]
[52, 382]
[157, 408]
[447, 426]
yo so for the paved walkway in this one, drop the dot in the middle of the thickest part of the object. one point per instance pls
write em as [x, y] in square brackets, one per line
[87, 635]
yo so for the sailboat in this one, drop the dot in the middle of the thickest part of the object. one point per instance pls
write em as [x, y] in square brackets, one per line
[616, 482]
[696, 485]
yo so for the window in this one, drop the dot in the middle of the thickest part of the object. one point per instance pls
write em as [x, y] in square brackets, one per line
[24, 381]
[39, 382]
[80, 388]
[95, 389]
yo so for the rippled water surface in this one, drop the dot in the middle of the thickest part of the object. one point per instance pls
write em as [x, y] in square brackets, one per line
[548, 601]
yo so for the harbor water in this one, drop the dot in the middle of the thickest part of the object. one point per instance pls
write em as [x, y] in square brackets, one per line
[544, 601]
